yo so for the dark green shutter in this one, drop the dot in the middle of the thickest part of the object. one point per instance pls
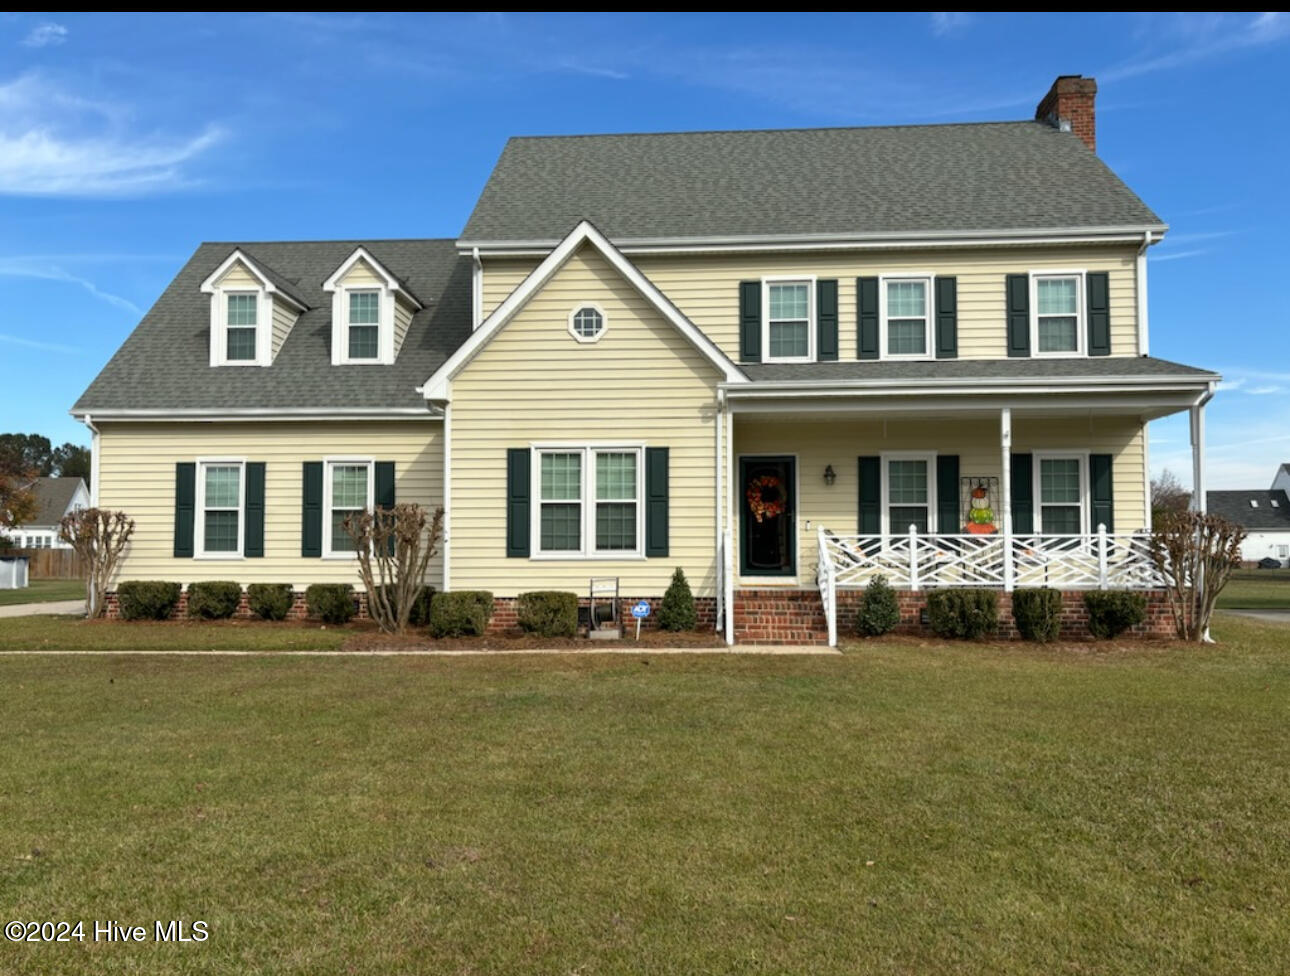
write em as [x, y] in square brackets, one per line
[826, 320]
[870, 517]
[311, 509]
[656, 501]
[1099, 314]
[383, 477]
[1018, 306]
[1102, 491]
[1023, 494]
[253, 536]
[947, 319]
[866, 318]
[518, 489]
[750, 321]
[185, 507]
[949, 517]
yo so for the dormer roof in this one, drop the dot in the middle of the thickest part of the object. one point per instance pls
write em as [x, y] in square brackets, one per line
[273, 282]
[392, 281]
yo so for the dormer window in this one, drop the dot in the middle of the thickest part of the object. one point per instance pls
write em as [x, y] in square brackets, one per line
[252, 311]
[371, 311]
[364, 324]
[240, 322]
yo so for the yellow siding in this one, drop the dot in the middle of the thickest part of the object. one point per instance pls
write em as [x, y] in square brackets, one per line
[284, 317]
[360, 275]
[137, 471]
[533, 382]
[237, 276]
[402, 319]
[840, 442]
[706, 287]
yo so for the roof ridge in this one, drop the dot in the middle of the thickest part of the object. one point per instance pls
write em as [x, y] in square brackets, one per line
[808, 128]
[335, 240]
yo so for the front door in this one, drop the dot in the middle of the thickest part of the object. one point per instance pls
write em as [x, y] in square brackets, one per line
[768, 523]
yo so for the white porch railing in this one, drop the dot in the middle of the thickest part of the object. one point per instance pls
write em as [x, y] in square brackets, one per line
[914, 561]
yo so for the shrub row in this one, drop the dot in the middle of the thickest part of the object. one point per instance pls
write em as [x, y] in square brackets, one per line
[971, 614]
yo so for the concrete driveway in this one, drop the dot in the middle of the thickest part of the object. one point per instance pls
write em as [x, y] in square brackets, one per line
[1267, 616]
[37, 609]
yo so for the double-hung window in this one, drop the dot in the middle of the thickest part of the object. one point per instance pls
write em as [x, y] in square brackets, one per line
[1062, 493]
[349, 491]
[789, 333]
[241, 310]
[1058, 314]
[364, 325]
[221, 501]
[906, 317]
[588, 501]
[909, 492]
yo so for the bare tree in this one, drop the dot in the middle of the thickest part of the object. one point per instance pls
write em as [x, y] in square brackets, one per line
[99, 536]
[1168, 494]
[394, 547]
[1196, 554]
[17, 501]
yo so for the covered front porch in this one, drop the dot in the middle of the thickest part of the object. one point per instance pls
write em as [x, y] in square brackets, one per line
[996, 492]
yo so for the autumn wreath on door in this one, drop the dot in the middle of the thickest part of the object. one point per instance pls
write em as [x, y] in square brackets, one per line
[766, 496]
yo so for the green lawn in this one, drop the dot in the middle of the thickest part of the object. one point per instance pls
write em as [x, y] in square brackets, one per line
[904, 808]
[44, 591]
[76, 634]
[1257, 589]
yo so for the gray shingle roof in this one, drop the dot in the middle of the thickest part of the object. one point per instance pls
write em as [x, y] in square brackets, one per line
[165, 363]
[53, 496]
[994, 176]
[1235, 506]
[1094, 367]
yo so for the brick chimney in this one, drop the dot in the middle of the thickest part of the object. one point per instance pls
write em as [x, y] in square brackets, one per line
[1069, 106]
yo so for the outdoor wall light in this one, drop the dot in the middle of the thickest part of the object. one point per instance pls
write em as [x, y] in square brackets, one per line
[830, 475]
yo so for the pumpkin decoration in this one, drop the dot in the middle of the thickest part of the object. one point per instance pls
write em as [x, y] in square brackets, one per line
[766, 497]
[981, 515]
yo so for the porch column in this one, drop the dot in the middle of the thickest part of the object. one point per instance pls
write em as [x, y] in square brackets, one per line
[1005, 492]
[1198, 457]
[729, 543]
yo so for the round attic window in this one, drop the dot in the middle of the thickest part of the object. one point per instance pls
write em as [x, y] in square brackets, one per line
[587, 323]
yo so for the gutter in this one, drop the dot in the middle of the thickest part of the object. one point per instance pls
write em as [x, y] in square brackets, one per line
[88, 421]
[958, 385]
[266, 414]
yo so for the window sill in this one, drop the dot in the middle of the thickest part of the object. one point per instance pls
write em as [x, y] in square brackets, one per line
[341, 556]
[219, 556]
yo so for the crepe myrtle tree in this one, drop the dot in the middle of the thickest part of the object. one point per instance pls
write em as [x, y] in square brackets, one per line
[99, 537]
[394, 546]
[1195, 553]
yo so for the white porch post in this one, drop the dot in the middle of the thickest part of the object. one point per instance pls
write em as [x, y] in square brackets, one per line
[719, 462]
[729, 546]
[1005, 493]
[1198, 457]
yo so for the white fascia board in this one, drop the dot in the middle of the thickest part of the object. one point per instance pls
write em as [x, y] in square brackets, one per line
[961, 386]
[391, 282]
[779, 242]
[265, 414]
[437, 386]
[209, 285]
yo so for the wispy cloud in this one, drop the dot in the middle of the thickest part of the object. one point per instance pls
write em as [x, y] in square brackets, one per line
[1265, 390]
[1200, 37]
[53, 143]
[595, 71]
[948, 23]
[45, 35]
[29, 267]
[14, 340]
[1178, 255]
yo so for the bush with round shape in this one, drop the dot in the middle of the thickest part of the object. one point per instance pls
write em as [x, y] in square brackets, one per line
[967, 614]
[214, 599]
[332, 603]
[548, 613]
[147, 599]
[270, 601]
[879, 610]
[461, 613]
[1112, 612]
[677, 611]
[1038, 613]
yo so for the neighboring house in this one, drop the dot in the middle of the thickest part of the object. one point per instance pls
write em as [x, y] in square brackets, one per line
[1265, 516]
[782, 360]
[55, 497]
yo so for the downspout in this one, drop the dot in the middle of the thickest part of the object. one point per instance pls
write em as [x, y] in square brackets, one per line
[719, 463]
[88, 421]
[447, 497]
[476, 289]
[1144, 332]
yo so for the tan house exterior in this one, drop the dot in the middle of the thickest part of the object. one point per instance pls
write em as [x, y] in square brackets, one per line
[784, 384]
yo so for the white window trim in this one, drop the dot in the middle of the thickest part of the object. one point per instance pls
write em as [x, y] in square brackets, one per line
[379, 324]
[1085, 505]
[766, 282]
[199, 516]
[888, 530]
[390, 290]
[929, 332]
[220, 326]
[330, 463]
[604, 320]
[1081, 313]
[588, 449]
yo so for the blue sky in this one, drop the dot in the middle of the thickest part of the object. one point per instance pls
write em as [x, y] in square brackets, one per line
[126, 140]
